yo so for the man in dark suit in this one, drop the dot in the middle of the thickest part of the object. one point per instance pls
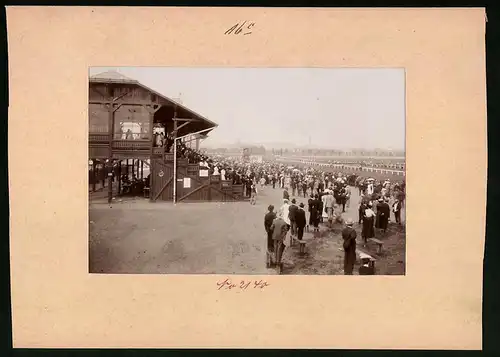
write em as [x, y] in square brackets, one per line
[304, 187]
[349, 237]
[291, 215]
[268, 222]
[321, 186]
[286, 195]
[279, 229]
[300, 221]
[383, 212]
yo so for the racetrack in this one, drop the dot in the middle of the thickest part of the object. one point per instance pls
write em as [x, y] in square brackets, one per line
[376, 173]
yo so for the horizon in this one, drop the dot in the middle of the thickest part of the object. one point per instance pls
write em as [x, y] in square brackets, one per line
[292, 146]
[332, 109]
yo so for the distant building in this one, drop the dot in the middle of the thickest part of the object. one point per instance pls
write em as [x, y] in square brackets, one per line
[253, 154]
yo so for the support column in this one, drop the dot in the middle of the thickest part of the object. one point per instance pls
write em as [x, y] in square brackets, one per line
[94, 176]
[142, 169]
[109, 164]
[110, 179]
[175, 156]
[119, 177]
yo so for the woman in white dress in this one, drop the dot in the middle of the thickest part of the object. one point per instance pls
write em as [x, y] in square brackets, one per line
[262, 182]
[324, 214]
[368, 230]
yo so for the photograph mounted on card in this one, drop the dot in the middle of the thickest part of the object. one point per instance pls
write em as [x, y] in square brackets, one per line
[204, 169]
[332, 201]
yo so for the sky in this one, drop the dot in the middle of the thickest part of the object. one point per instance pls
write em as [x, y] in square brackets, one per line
[335, 108]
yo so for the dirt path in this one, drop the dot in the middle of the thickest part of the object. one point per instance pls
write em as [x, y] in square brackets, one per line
[324, 254]
[137, 236]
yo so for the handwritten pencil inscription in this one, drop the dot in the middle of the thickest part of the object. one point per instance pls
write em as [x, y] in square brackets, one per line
[227, 284]
[238, 28]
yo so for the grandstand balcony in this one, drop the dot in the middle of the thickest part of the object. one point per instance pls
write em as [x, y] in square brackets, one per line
[125, 115]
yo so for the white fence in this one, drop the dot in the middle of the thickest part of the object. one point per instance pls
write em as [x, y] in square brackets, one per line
[348, 167]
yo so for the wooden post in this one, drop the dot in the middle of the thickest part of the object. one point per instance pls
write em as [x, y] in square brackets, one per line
[128, 170]
[151, 131]
[119, 177]
[110, 180]
[138, 171]
[109, 172]
[142, 169]
[94, 176]
[175, 156]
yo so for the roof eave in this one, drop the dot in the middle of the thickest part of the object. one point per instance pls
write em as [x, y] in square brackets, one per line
[109, 80]
[171, 101]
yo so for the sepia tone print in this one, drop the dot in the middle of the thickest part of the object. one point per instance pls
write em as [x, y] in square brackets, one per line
[298, 171]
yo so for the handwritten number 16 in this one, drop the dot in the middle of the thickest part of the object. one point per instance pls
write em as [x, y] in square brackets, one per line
[238, 28]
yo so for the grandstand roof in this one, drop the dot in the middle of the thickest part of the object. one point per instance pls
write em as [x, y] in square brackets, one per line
[183, 111]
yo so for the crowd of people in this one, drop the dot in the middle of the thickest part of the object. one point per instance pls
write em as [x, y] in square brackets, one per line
[162, 140]
[328, 196]
[325, 196]
[374, 164]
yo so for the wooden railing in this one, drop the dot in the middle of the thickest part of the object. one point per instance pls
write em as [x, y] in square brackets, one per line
[214, 178]
[193, 169]
[169, 156]
[131, 145]
[158, 150]
[98, 138]
[237, 190]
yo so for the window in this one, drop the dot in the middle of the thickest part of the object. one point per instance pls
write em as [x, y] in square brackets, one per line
[132, 123]
[98, 119]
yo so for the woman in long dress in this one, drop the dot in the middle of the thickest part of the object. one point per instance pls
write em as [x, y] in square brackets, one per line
[262, 182]
[253, 193]
[361, 210]
[315, 213]
[321, 207]
[324, 213]
[383, 212]
[368, 218]
[310, 204]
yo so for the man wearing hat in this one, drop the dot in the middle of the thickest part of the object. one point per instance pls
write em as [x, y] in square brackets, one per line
[349, 237]
[300, 221]
[292, 211]
[383, 212]
[286, 195]
[396, 208]
[268, 222]
[279, 229]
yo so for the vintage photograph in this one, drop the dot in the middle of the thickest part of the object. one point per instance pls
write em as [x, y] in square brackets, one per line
[291, 171]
